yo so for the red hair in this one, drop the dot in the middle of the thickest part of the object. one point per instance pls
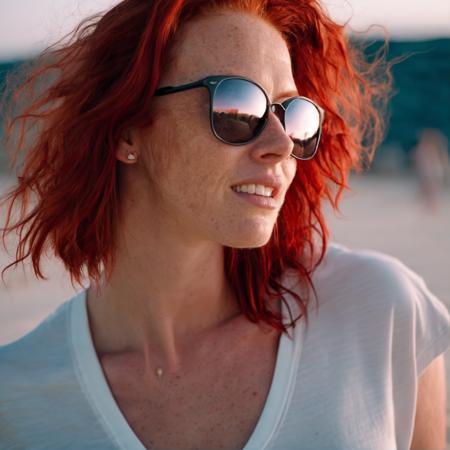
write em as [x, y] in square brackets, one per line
[104, 82]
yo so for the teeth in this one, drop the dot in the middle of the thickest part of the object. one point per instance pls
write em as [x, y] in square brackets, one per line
[257, 189]
[260, 189]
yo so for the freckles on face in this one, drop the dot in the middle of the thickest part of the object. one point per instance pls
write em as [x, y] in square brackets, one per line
[194, 191]
[194, 187]
[192, 176]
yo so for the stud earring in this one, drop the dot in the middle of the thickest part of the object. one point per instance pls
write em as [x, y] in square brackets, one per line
[131, 157]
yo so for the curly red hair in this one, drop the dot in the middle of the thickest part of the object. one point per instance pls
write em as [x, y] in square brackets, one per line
[102, 82]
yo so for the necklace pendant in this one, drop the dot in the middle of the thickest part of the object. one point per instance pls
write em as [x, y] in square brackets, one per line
[159, 372]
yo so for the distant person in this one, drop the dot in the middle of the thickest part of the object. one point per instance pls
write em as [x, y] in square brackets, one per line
[431, 163]
[216, 313]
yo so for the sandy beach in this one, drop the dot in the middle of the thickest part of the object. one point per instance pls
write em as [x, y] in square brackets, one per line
[382, 213]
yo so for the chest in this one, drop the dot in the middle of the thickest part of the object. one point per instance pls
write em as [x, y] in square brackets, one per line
[214, 402]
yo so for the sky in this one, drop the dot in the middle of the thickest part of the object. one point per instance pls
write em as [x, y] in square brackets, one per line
[27, 26]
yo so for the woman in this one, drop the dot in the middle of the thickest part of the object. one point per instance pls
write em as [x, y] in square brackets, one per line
[178, 169]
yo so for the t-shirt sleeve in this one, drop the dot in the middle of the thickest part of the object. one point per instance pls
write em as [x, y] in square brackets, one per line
[432, 323]
[421, 321]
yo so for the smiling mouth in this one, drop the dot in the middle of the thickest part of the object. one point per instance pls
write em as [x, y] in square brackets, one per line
[260, 201]
[254, 189]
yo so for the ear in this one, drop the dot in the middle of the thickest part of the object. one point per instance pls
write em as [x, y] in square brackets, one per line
[127, 150]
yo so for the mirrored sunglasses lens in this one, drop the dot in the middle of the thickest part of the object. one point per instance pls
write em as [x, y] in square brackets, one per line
[239, 109]
[302, 123]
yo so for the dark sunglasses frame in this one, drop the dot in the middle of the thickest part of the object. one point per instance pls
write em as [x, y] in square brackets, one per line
[213, 81]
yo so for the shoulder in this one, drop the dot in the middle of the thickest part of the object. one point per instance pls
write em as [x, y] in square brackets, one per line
[340, 259]
[37, 345]
[379, 292]
[36, 375]
[368, 274]
[371, 284]
[43, 403]
[36, 359]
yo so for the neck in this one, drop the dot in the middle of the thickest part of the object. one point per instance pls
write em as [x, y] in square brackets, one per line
[163, 295]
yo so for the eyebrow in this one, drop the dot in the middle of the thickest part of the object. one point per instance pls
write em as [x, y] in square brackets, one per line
[287, 94]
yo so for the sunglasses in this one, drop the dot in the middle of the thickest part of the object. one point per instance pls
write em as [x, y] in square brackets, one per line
[239, 111]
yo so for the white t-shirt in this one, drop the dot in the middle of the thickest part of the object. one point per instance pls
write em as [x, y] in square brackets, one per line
[347, 381]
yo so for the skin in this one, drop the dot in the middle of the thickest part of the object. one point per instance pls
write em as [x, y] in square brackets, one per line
[168, 294]
[429, 426]
[168, 301]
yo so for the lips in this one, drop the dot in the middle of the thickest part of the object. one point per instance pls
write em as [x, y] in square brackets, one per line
[273, 182]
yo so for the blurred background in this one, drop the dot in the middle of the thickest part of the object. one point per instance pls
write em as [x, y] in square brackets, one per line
[400, 206]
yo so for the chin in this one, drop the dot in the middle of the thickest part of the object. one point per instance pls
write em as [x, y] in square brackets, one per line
[253, 245]
[249, 239]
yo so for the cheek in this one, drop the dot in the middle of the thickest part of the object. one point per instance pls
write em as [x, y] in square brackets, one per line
[189, 173]
[202, 183]
[193, 178]
[198, 165]
[157, 150]
[290, 169]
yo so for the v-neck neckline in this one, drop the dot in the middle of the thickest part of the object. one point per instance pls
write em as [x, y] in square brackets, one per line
[97, 390]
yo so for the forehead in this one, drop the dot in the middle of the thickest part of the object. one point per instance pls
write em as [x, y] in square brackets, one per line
[232, 43]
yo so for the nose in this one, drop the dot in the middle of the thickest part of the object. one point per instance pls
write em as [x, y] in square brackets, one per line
[273, 144]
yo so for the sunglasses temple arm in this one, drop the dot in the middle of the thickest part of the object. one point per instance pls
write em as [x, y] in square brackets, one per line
[322, 115]
[182, 87]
